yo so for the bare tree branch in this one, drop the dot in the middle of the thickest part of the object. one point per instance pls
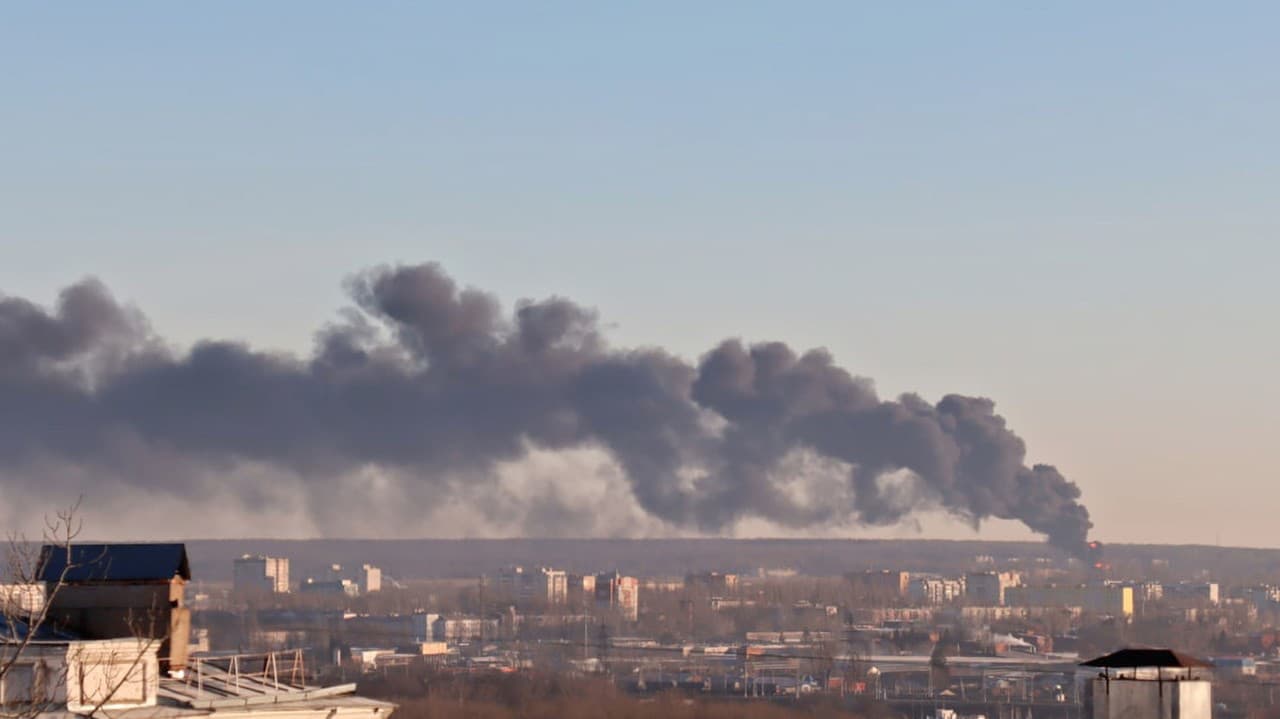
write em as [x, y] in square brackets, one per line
[29, 629]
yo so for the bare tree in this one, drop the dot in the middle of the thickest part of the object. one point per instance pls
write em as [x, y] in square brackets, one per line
[25, 604]
[35, 668]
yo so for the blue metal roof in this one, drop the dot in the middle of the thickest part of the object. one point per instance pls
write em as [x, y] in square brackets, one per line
[16, 630]
[114, 562]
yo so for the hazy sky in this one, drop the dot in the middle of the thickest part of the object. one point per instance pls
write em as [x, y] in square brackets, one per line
[1071, 210]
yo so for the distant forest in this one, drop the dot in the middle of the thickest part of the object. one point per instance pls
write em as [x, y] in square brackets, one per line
[444, 558]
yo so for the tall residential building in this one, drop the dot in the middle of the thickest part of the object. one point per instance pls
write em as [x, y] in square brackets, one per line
[552, 585]
[261, 575]
[370, 579]
[986, 589]
[883, 585]
[618, 593]
[533, 588]
[580, 590]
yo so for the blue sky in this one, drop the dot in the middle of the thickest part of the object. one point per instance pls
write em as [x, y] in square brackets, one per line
[1070, 209]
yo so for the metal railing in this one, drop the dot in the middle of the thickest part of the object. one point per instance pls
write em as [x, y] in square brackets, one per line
[257, 673]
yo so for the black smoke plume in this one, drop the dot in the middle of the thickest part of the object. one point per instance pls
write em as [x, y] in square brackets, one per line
[433, 382]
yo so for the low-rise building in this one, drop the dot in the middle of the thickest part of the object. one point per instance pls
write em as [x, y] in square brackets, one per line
[258, 574]
[464, 629]
[714, 583]
[335, 587]
[1096, 598]
[1234, 667]
[662, 585]
[936, 590]
[879, 586]
[1191, 593]
[1148, 591]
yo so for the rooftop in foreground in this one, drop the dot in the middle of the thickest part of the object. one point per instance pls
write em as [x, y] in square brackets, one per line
[1133, 658]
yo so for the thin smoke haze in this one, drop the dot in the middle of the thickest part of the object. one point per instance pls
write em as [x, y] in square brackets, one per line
[432, 385]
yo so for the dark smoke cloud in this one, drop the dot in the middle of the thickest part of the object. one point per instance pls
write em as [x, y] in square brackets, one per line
[432, 382]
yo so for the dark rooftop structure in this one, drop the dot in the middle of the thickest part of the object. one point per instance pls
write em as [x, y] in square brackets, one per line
[114, 563]
[1141, 658]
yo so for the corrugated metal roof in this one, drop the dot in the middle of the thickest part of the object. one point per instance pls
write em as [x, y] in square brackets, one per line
[1134, 658]
[114, 562]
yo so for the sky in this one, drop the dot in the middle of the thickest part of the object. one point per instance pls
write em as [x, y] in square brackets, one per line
[1069, 209]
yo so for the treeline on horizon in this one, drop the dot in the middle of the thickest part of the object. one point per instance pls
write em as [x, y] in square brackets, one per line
[465, 558]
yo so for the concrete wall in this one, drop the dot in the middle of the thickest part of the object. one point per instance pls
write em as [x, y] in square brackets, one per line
[121, 673]
[1150, 699]
[81, 675]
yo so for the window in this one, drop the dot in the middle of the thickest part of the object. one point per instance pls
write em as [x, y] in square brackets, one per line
[18, 684]
[113, 681]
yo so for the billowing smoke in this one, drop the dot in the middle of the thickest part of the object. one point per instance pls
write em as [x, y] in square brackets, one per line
[435, 385]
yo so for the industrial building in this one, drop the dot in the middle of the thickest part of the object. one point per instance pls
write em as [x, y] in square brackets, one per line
[256, 574]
